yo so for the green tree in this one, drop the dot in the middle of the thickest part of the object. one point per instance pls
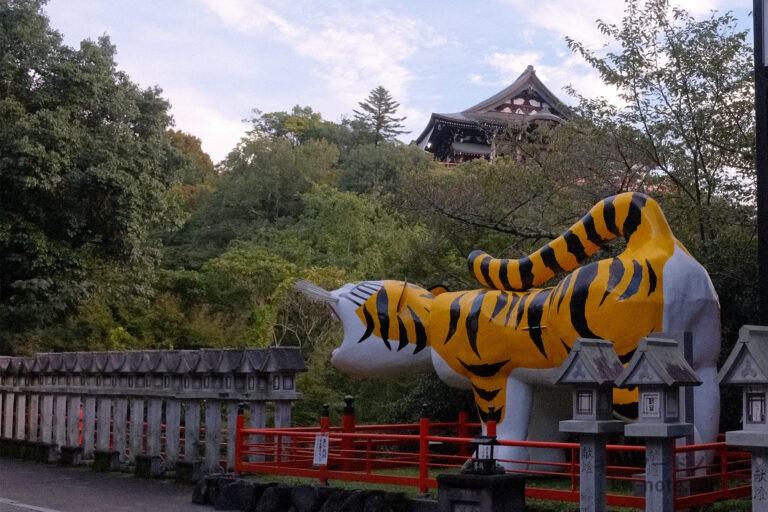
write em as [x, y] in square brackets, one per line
[377, 113]
[687, 91]
[85, 171]
[687, 88]
[381, 169]
[260, 184]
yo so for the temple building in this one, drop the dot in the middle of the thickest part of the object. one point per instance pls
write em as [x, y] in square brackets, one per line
[471, 133]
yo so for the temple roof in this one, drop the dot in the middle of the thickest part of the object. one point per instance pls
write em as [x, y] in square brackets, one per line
[526, 99]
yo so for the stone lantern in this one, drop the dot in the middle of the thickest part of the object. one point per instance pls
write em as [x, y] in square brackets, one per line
[658, 369]
[591, 368]
[747, 367]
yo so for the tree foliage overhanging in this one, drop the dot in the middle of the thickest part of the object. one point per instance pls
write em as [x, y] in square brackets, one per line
[118, 232]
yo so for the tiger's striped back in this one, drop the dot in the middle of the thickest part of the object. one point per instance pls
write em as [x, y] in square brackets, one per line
[635, 216]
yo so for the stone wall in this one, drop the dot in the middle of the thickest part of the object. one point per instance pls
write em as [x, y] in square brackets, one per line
[167, 405]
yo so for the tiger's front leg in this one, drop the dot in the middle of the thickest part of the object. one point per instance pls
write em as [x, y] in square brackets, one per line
[514, 424]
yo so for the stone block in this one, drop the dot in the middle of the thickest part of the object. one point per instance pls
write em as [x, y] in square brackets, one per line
[485, 493]
[148, 466]
[276, 498]
[105, 461]
[70, 456]
[237, 495]
[41, 452]
[309, 498]
[188, 472]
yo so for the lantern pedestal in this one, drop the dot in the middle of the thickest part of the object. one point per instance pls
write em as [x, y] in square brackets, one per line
[484, 493]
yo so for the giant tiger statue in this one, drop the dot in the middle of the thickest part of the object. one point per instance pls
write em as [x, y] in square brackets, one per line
[506, 340]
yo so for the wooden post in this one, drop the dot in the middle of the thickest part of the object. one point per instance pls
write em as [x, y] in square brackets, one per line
[73, 420]
[89, 425]
[172, 430]
[21, 417]
[137, 428]
[60, 418]
[232, 415]
[103, 430]
[191, 431]
[46, 419]
[154, 426]
[8, 415]
[119, 426]
[34, 417]
[212, 435]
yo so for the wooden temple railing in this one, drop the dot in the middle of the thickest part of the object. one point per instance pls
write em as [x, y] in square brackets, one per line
[170, 406]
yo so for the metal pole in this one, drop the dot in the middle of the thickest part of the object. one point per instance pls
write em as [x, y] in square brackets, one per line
[761, 155]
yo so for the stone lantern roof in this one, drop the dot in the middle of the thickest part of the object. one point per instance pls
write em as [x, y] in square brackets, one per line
[748, 362]
[591, 362]
[657, 362]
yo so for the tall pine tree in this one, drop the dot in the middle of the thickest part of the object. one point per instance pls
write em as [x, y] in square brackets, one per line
[377, 113]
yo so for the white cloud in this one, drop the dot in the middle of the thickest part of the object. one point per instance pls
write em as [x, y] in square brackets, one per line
[196, 112]
[353, 50]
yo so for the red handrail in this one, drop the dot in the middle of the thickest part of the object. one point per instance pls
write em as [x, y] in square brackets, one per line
[371, 452]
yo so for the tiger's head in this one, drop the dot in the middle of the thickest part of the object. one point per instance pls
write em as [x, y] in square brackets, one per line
[386, 324]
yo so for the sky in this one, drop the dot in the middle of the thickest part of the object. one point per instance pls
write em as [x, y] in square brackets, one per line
[218, 60]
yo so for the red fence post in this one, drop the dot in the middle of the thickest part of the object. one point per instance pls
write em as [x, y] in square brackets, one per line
[463, 431]
[239, 438]
[423, 450]
[347, 427]
[490, 424]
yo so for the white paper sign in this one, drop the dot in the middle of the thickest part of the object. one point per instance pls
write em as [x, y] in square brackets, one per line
[484, 452]
[321, 450]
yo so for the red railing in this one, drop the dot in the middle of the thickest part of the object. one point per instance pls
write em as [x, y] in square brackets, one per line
[414, 454]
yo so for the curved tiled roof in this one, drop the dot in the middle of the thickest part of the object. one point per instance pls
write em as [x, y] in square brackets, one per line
[158, 361]
[526, 100]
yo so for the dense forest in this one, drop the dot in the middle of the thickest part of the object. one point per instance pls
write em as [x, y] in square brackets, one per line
[118, 232]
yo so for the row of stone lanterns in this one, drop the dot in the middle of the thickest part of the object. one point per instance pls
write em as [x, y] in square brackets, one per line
[658, 369]
[663, 377]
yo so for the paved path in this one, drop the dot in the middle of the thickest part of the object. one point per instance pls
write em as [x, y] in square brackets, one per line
[30, 486]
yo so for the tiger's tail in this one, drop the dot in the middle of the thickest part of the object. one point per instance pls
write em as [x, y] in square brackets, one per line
[636, 217]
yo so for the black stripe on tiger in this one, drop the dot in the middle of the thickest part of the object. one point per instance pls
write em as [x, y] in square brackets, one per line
[403, 334]
[575, 247]
[369, 325]
[609, 215]
[473, 320]
[512, 305]
[634, 284]
[578, 306]
[589, 226]
[535, 310]
[503, 275]
[382, 308]
[634, 215]
[486, 416]
[549, 259]
[521, 310]
[501, 301]
[485, 268]
[483, 370]
[421, 332]
[651, 278]
[455, 314]
[486, 394]
[615, 274]
[526, 272]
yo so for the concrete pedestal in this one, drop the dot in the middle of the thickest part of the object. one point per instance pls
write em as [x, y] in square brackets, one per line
[480, 493]
[105, 461]
[71, 456]
[148, 466]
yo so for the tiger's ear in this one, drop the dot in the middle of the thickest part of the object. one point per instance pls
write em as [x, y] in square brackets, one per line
[438, 289]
